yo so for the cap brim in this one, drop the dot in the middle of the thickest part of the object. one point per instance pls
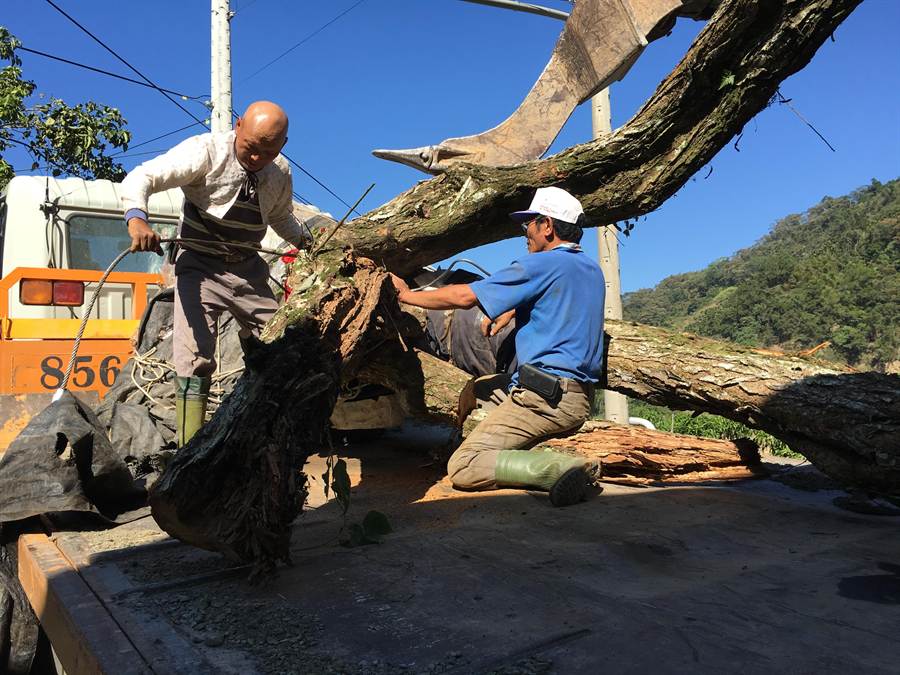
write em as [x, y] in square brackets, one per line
[522, 216]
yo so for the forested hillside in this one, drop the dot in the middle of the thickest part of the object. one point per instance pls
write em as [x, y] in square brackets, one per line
[830, 274]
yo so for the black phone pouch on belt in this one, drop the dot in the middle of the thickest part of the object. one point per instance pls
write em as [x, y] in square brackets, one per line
[543, 384]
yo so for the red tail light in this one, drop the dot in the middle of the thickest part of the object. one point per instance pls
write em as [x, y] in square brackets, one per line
[68, 293]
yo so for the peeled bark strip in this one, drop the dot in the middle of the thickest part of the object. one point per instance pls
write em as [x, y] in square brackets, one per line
[637, 456]
[238, 485]
[847, 424]
[730, 74]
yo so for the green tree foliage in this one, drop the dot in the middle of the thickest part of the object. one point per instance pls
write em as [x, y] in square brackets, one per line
[67, 139]
[830, 274]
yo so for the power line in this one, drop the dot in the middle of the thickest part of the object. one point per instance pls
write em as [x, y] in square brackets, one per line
[188, 112]
[306, 39]
[155, 138]
[320, 183]
[128, 153]
[327, 189]
[237, 11]
[106, 72]
[135, 70]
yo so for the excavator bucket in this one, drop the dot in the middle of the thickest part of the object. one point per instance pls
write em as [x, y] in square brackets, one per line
[600, 42]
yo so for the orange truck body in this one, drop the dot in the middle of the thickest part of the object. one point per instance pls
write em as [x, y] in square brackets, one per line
[34, 353]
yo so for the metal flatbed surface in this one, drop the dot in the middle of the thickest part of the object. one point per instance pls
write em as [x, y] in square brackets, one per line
[752, 577]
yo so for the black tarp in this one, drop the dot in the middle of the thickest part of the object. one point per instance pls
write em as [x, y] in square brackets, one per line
[62, 461]
[455, 335]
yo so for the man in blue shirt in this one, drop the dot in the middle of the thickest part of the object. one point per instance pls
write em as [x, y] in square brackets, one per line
[556, 294]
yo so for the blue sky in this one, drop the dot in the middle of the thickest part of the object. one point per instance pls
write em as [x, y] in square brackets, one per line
[405, 73]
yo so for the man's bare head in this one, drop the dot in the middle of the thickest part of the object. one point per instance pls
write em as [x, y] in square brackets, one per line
[260, 134]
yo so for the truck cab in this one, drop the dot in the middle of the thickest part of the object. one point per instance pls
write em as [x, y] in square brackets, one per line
[57, 236]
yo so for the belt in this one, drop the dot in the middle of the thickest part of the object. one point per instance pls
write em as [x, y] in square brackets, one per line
[570, 385]
[224, 256]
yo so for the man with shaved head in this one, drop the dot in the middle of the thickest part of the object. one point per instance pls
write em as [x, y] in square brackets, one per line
[235, 185]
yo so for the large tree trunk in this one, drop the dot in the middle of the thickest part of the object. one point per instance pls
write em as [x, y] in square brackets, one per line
[846, 423]
[237, 486]
[731, 73]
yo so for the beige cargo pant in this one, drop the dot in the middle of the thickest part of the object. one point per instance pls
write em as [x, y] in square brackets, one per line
[204, 288]
[520, 421]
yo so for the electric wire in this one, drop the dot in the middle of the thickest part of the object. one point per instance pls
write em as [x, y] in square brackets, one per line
[109, 73]
[238, 11]
[327, 189]
[126, 79]
[194, 117]
[155, 138]
[130, 154]
[305, 39]
[132, 68]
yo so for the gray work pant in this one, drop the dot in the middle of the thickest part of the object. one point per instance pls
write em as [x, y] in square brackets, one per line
[522, 420]
[204, 288]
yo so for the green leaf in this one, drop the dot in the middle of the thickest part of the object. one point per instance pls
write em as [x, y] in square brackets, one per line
[340, 483]
[376, 524]
[326, 478]
[356, 536]
[727, 80]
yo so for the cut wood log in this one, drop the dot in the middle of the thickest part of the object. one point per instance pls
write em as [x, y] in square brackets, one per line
[637, 456]
[847, 424]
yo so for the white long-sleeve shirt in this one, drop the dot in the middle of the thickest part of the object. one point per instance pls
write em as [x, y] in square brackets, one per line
[207, 170]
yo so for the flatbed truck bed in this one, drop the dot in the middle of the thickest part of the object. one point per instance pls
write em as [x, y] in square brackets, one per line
[750, 577]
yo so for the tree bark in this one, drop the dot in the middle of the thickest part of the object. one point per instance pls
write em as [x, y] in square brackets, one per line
[846, 423]
[731, 73]
[637, 456]
[237, 486]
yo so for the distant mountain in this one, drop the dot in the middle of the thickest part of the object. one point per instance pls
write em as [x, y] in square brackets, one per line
[830, 274]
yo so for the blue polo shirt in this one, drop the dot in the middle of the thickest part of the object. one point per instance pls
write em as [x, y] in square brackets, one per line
[558, 296]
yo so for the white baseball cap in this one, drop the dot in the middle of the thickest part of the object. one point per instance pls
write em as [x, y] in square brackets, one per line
[551, 201]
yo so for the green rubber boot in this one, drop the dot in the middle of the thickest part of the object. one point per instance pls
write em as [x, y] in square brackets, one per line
[191, 396]
[565, 477]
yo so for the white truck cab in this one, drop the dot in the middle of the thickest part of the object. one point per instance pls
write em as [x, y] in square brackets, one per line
[72, 223]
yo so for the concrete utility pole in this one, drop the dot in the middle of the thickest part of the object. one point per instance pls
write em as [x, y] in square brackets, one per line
[615, 405]
[220, 74]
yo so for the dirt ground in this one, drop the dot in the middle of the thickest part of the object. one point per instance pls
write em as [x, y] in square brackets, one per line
[757, 576]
